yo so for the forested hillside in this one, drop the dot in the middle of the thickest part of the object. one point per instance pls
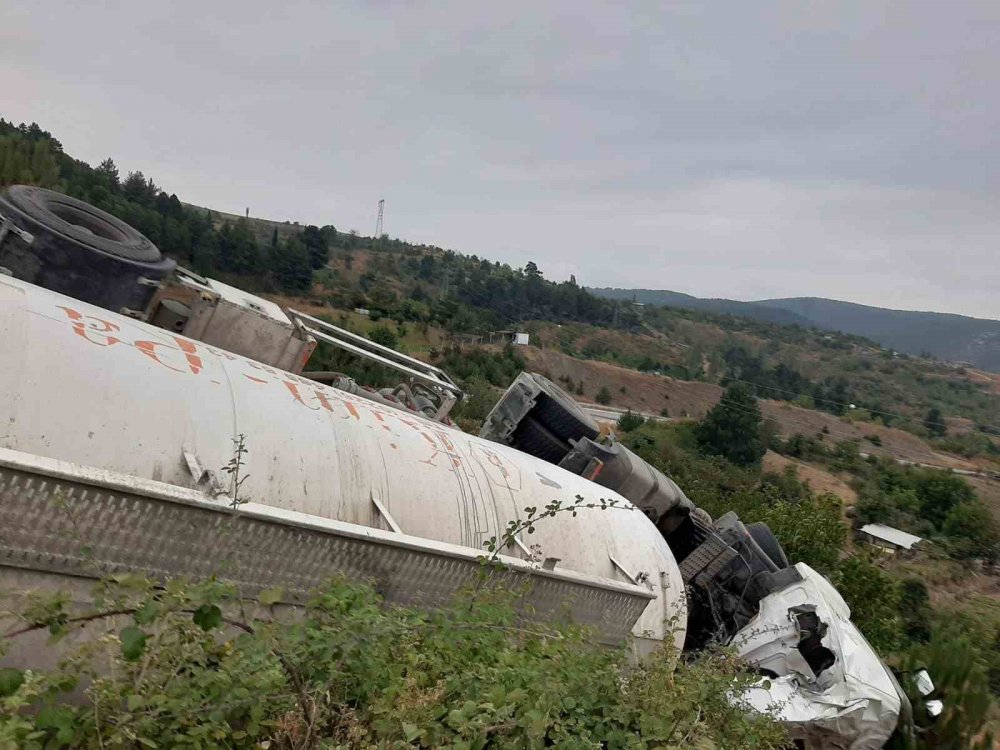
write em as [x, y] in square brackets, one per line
[941, 335]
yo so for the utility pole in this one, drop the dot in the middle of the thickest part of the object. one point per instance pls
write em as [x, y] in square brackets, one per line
[378, 223]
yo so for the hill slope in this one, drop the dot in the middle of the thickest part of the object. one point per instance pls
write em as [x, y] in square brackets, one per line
[944, 335]
[666, 297]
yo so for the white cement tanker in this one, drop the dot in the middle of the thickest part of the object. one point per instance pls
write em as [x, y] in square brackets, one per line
[94, 389]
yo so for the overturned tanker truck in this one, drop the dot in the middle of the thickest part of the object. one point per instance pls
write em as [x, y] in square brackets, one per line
[125, 380]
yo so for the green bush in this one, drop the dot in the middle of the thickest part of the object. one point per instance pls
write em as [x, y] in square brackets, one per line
[630, 421]
[179, 668]
[810, 528]
[384, 336]
[480, 398]
[474, 363]
[603, 396]
[874, 597]
[972, 531]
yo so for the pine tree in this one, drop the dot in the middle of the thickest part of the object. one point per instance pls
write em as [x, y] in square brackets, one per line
[109, 170]
[934, 422]
[732, 429]
[292, 267]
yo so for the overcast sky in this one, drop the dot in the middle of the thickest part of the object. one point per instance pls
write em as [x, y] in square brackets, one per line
[744, 150]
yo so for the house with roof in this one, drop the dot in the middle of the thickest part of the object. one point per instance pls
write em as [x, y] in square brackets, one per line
[888, 539]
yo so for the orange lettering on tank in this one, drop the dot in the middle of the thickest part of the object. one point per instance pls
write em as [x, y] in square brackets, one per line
[294, 390]
[190, 354]
[149, 348]
[450, 452]
[322, 400]
[96, 327]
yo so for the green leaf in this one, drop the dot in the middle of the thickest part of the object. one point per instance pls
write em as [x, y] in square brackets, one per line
[58, 719]
[410, 731]
[134, 702]
[271, 596]
[147, 612]
[10, 681]
[133, 642]
[207, 616]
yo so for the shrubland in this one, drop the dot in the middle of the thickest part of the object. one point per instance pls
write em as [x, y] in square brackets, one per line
[193, 664]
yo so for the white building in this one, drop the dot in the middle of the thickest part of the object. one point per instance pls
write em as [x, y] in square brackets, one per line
[888, 538]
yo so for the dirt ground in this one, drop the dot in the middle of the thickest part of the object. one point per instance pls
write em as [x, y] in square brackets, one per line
[989, 492]
[642, 391]
[680, 398]
[819, 479]
[897, 444]
[990, 380]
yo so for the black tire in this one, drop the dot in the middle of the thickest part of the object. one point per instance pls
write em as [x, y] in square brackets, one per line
[73, 220]
[80, 251]
[561, 414]
[761, 533]
[533, 438]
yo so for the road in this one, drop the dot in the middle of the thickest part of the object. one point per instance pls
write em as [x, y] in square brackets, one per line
[612, 413]
[964, 472]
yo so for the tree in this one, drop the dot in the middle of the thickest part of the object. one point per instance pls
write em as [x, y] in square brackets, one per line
[972, 529]
[109, 171]
[531, 269]
[291, 266]
[938, 492]
[934, 422]
[28, 161]
[138, 189]
[382, 335]
[732, 429]
[317, 242]
[603, 396]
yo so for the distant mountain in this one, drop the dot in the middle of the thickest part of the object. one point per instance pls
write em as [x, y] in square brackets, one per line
[686, 301]
[956, 338]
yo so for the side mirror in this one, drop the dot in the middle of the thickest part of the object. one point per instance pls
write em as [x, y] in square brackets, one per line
[923, 682]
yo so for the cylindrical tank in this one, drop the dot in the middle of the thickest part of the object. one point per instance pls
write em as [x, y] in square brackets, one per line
[81, 384]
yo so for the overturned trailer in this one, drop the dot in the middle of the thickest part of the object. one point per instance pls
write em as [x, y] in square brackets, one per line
[112, 429]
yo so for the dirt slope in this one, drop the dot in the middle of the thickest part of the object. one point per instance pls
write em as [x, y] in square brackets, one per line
[818, 478]
[642, 392]
[681, 398]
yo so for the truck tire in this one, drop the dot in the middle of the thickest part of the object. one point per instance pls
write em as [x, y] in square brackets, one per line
[80, 251]
[768, 542]
[561, 414]
[534, 438]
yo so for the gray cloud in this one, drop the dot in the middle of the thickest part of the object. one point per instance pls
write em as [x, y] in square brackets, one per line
[849, 150]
